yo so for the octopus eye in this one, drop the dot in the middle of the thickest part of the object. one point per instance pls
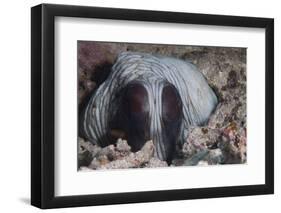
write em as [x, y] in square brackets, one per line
[136, 99]
[171, 104]
[172, 118]
[135, 108]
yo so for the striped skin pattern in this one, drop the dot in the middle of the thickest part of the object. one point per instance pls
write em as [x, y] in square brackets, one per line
[153, 73]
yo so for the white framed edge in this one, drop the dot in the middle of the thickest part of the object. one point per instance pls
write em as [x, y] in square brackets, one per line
[68, 181]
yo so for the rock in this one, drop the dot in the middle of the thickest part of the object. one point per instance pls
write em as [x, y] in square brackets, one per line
[196, 158]
[120, 157]
[214, 157]
[200, 138]
[155, 162]
[94, 64]
[122, 146]
[221, 116]
[146, 152]
[233, 144]
[109, 152]
[86, 152]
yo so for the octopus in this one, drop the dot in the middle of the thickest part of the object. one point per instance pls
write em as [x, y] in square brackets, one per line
[148, 97]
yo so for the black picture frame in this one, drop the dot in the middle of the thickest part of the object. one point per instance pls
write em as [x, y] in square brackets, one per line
[43, 102]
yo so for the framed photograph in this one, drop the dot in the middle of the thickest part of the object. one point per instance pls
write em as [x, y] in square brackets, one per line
[140, 106]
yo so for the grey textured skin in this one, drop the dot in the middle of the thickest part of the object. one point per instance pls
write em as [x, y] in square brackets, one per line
[198, 99]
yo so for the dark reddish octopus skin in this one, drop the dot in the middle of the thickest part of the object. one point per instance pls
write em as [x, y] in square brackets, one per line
[172, 116]
[133, 117]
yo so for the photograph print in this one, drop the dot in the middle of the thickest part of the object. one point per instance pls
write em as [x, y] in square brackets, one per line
[160, 105]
